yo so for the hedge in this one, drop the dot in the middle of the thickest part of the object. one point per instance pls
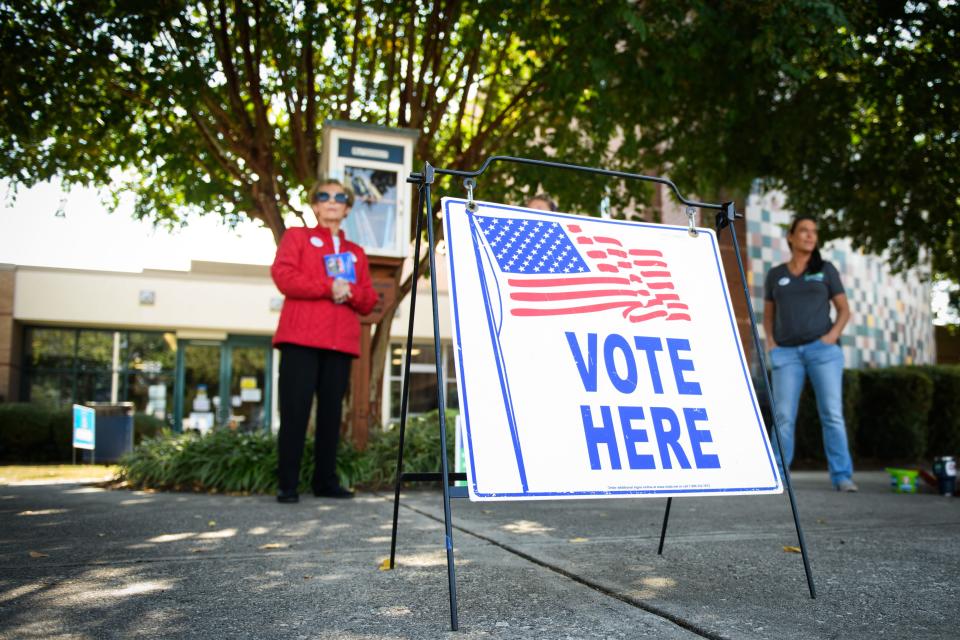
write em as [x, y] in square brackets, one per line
[943, 422]
[28, 433]
[31, 433]
[894, 407]
[905, 415]
[227, 461]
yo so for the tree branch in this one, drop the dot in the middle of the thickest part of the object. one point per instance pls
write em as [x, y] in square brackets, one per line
[310, 124]
[406, 95]
[352, 78]
[224, 53]
[391, 68]
[215, 148]
[373, 57]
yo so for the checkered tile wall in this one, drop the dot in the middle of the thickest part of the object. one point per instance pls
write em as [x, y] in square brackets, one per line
[891, 322]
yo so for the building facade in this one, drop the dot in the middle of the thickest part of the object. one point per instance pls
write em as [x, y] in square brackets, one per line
[193, 347]
[891, 319]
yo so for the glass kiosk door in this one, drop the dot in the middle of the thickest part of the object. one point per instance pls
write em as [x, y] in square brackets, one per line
[223, 383]
[372, 222]
[374, 162]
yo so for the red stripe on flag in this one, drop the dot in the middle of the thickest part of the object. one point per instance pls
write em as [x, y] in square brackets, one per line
[570, 295]
[606, 240]
[567, 282]
[648, 316]
[607, 268]
[574, 310]
[645, 252]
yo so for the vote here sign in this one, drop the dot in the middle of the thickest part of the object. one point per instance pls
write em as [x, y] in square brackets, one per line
[598, 358]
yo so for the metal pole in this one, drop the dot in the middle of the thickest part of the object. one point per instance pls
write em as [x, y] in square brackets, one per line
[663, 529]
[730, 214]
[405, 384]
[441, 402]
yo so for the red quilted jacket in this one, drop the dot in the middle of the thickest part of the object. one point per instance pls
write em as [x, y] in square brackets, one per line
[310, 317]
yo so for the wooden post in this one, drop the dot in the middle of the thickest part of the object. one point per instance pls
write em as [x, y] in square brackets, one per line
[385, 273]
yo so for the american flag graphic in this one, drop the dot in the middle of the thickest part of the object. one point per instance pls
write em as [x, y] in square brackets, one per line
[547, 275]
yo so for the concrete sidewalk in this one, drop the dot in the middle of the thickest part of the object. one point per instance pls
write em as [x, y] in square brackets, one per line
[82, 562]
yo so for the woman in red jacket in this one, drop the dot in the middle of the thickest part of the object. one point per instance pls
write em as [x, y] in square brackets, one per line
[325, 279]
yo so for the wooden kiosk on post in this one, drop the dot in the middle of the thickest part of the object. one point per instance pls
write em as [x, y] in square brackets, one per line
[374, 162]
[498, 241]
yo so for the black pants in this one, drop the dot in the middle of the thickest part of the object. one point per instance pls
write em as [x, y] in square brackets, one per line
[305, 372]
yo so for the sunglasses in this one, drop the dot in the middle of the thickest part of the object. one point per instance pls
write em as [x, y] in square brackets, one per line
[323, 196]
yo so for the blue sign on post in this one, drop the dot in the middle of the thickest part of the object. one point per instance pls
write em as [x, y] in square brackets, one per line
[84, 427]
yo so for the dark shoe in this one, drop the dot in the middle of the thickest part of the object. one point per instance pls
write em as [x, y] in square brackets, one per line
[333, 492]
[288, 496]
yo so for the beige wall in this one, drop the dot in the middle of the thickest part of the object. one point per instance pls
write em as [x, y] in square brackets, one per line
[209, 301]
[9, 342]
[210, 297]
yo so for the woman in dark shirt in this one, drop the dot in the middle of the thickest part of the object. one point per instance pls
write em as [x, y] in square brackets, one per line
[803, 341]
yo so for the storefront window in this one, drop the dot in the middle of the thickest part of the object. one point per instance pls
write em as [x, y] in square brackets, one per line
[226, 383]
[150, 352]
[95, 350]
[50, 389]
[65, 366]
[423, 380]
[150, 360]
[51, 348]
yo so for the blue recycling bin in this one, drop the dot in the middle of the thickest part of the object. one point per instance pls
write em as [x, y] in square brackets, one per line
[114, 427]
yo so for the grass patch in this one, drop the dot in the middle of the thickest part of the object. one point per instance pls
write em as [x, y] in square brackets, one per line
[57, 472]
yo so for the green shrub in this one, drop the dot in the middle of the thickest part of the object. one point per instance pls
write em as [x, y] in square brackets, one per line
[147, 426]
[25, 433]
[421, 448]
[36, 433]
[809, 432]
[226, 461]
[61, 435]
[229, 461]
[943, 423]
[221, 460]
[894, 406]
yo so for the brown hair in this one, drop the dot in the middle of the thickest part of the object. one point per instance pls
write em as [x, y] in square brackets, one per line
[324, 182]
[815, 265]
[551, 203]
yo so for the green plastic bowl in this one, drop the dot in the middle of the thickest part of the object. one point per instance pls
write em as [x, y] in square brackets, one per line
[902, 480]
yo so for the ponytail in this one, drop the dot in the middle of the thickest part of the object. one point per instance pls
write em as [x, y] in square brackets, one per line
[816, 262]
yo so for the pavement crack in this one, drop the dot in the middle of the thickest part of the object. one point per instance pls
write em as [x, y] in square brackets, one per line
[599, 588]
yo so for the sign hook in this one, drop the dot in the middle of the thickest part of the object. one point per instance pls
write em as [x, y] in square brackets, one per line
[691, 227]
[470, 184]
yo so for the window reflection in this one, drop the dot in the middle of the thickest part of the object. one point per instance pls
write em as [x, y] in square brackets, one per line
[67, 366]
[423, 379]
[372, 222]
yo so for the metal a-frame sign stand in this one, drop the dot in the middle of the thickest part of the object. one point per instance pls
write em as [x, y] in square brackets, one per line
[725, 216]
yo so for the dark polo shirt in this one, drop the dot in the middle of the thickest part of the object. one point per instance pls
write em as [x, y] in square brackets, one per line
[802, 303]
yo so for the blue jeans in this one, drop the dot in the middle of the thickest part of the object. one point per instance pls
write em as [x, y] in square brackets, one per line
[824, 364]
